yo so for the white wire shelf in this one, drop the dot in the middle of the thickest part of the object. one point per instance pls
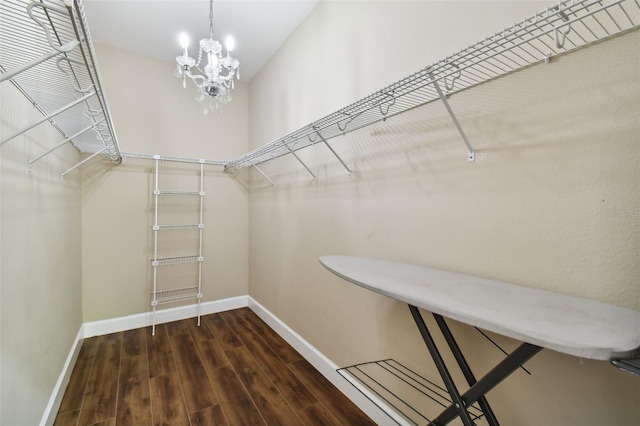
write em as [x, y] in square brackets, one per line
[176, 260]
[175, 295]
[47, 53]
[557, 30]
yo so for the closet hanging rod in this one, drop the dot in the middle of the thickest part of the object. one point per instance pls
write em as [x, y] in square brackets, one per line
[530, 41]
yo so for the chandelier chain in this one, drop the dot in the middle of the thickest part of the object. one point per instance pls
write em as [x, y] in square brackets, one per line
[211, 18]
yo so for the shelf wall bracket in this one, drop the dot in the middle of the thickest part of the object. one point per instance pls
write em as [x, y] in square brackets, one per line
[262, 173]
[83, 161]
[49, 117]
[471, 156]
[333, 152]
[315, 178]
[60, 145]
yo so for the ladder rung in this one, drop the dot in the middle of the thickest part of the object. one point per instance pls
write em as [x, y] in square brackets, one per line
[178, 193]
[174, 260]
[181, 226]
[167, 296]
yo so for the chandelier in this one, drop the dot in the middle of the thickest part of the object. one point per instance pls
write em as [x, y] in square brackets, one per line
[215, 79]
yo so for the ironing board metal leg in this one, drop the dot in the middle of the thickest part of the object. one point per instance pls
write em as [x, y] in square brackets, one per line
[459, 406]
[464, 366]
[507, 366]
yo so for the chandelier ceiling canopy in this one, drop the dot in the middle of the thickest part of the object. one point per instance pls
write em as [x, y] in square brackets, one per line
[213, 73]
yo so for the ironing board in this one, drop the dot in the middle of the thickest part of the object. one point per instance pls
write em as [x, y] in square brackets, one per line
[538, 318]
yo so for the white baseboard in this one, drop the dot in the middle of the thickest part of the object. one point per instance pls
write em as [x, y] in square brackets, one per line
[51, 410]
[130, 322]
[353, 390]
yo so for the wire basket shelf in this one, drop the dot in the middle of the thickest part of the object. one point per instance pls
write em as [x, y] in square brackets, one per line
[412, 397]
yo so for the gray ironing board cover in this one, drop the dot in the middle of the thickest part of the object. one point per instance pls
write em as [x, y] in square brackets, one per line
[564, 323]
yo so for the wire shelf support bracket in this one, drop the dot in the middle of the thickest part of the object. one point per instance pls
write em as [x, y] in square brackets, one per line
[48, 55]
[263, 174]
[471, 153]
[334, 153]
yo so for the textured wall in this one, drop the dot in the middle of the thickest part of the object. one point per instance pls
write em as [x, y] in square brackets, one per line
[153, 114]
[40, 262]
[557, 162]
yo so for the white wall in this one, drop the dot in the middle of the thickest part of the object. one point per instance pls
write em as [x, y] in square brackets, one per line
[75, 251]
[153, 114]
[557, 153]
[40, 263]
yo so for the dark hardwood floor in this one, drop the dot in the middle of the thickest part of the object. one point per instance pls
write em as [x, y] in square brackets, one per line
[232, 370]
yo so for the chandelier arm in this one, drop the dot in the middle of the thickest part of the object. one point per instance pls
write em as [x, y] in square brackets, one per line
[197, 78]
[227, 77]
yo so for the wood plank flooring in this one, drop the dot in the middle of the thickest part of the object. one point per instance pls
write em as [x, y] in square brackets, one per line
[232, 370]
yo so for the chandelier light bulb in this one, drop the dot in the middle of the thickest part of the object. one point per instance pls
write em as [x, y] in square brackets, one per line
[230, 44]
[184, 42]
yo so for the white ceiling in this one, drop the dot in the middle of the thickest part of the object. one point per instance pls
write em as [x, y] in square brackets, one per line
[151, 27]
